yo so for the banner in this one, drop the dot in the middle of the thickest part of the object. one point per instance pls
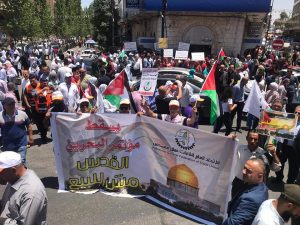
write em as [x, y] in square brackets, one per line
[148, 81]
[168, 53]
[181, 167]
[277, 124]
[182, 55]
[183, 46]
[198, 56]
[130, 46]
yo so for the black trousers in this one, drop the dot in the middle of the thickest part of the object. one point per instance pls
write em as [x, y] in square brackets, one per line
[223, 119]
[39, 121]
[239, 112]
[289, 153]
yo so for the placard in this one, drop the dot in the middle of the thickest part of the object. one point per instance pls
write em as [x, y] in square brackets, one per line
[183, 46]
[277, 124]
[183, 55]
[148, 81]
[130, 46]
[168, 53]
[198, 56]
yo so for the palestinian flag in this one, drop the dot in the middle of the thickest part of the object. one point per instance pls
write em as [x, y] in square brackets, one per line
[116, 90]
[104, 59]
[122, 54]
[209, 89]
[221, 54]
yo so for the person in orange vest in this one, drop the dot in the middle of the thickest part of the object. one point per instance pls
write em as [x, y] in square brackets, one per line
[30, 94]
[43, 102]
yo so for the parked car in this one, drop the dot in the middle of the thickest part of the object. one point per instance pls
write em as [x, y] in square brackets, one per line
[296, 72]
[165, 74]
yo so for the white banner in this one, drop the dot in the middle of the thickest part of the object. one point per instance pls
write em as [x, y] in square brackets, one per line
[183, 46]
[148, 81]
[179, 166]
[198, 56]
[168, 53]
[182, 55]
[130, 46]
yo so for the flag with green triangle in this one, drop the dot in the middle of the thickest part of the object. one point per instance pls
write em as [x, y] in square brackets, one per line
[209, 89]
[116, 90]
[221, 54]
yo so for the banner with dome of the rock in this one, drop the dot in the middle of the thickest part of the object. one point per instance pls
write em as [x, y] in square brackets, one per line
[178, 167]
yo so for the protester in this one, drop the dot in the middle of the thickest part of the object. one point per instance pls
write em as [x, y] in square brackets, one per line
[279, 211]
[14, 126]
[243, 207]
[24, 200]
[124, 106]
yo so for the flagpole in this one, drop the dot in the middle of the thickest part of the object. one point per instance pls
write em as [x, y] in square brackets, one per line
[126, 84]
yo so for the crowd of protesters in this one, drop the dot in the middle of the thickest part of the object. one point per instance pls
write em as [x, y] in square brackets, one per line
[31, 89]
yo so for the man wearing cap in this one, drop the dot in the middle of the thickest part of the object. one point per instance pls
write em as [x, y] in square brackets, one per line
[84, 106]
[61, 72]
[173, 116]
[187, 92]
[188, 110]
[279, 211]
[14, 125]
[70, 92]
[124, 106]
[24, 200]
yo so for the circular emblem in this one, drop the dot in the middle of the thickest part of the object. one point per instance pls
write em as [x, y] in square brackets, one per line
[147, 86]
[185, 139]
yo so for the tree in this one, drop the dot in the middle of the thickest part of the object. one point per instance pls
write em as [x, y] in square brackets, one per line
[20, 19]
[104, 20]
[45, 17]
[59, 18]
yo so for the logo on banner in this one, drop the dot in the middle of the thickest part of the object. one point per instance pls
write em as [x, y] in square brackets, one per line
[185, 139]
[147, 86]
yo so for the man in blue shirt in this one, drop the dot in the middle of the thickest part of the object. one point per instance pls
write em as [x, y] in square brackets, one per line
[238, 99]
[14, 125]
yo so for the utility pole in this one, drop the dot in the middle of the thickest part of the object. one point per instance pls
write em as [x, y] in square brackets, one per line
[163, 15]
[113, 23]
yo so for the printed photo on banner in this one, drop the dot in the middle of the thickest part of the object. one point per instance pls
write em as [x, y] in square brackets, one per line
[130, 46]
[184, 168]
[183, 46]
[168, 53]
[182, 55]
[277, 124]
[198, 56]
[148, 81]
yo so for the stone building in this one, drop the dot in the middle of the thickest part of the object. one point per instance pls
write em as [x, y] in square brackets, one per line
[207, 25]
[294, 28]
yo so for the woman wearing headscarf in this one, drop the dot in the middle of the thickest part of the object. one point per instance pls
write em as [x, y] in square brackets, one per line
[272, 93]
[103, 104]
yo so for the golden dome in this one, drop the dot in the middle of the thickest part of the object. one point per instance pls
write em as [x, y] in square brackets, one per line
[183, 174]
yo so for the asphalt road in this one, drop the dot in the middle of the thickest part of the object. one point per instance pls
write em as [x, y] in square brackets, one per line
[98, 209]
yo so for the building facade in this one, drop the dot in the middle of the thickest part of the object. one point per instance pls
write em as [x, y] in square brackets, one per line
[294, 24]
[234, 25]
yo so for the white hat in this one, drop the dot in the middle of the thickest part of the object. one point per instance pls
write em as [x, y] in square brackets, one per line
[84, 100]
[125, 101]
[71, 65]
[16, 52]
[9, 159]
[57, 95]
[6, 62]
[169, 83]
[174, 102]
[68, 75]
[196, 98]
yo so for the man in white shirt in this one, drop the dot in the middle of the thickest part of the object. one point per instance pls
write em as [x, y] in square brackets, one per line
[278, 211]
[61, 72]
[70, 93]
[187, 92]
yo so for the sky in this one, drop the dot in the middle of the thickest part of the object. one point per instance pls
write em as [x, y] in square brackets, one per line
[279, 6]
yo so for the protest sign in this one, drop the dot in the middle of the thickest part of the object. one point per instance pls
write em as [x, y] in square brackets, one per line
[181, 167]
[182, 55]
[183, 46]
[168, 53]
[277, 124]
[130, 46]
[198, 56]
[148, 81]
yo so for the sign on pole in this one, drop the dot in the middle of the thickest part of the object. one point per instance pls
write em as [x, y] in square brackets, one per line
[183, 46]
[182, 55]
[198, 56]
[163, 42]
[130, 46]
[148, 81]
[168, 53]
[278, 44]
